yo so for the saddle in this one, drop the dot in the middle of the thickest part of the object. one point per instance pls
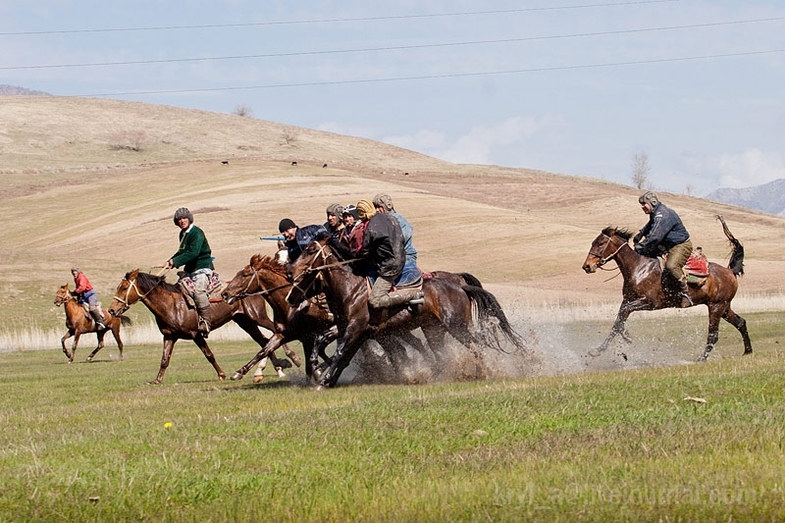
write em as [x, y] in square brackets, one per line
[696, 268]
[214, 288]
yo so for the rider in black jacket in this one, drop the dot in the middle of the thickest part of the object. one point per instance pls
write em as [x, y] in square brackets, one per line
[665, 233]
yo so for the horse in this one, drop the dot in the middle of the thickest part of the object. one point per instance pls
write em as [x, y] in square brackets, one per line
[77, 321]
[177, 321]
[448, 308]
[265, 276]
[642, 288]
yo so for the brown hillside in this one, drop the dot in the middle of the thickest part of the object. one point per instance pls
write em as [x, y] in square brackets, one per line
[95, 183]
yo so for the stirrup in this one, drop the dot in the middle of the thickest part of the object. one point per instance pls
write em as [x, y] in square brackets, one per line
[686, 301]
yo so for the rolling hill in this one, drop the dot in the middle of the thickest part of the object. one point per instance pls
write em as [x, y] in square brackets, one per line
[94, 183]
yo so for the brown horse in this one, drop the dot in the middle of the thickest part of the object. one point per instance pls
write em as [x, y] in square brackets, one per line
[78, 322]
[264, 276]
[177, 321]
[448, 308]
[642, 289]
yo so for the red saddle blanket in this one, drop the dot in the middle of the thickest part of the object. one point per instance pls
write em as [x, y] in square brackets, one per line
[697, 264]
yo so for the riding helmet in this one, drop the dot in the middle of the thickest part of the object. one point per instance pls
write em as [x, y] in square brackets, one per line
[650, 198]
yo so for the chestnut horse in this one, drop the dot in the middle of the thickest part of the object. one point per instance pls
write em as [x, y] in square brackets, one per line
[78, 322]
[264, 276]
[642, 288]
[311, 325]
[177, 321]
[448, 307]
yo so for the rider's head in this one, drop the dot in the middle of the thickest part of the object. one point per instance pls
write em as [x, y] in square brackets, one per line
[648, 201]
[334, 214]
[288, 228]
[365, 210]
[383, 202]
[181, 213]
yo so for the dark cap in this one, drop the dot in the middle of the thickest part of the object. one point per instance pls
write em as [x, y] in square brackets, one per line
[285, 225]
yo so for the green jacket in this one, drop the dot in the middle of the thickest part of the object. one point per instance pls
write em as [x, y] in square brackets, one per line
[194, 251]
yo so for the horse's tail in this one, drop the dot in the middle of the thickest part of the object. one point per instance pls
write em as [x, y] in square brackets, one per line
[488, 307]
[736, 263]
[470, 279]
[125, 320]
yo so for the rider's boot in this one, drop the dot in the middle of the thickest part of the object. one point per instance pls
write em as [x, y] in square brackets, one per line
[203, 310]
[98, 318]
[684, 290]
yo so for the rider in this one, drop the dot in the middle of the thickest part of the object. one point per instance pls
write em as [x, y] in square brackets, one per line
[665, 233]
[84, 292]
[334, 223]
[383, 204]
[194, 252]
[383, 248]
[297, 239]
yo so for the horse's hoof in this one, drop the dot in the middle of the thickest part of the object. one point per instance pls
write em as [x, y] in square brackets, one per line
[296, 360]
[258, 379]
[154, 382]
[595, 352]
[285, 364]
[222, 376]
[89, 358]
[236, 376]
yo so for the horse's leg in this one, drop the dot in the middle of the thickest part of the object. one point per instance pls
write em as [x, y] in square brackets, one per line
[741, 325]
[344, 353]
[292, 356]
[321, 341]
[202, 344]
[116, 334]
[166, 357]
[65, 349]
[619, 327]
[100, 336]
[267, 349]
[258, 376]
[77, 334]
[716, 311]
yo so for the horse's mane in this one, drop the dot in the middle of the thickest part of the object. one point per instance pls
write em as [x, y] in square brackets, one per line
[268, 263]
[624, 233]
[148, 281]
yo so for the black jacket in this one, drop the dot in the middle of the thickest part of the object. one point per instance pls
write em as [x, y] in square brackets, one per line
[302, 239]
[664, 229]
[383, 245]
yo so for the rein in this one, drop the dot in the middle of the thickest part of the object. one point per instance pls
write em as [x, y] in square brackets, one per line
[262, 292]
[606, 259]
[318, 269]
[132, 285]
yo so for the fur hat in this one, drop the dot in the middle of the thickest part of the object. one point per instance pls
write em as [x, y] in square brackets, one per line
[650, 198]
[335, 209]
[365, 210]
[285, 225]
[183, 212]
[384, 201]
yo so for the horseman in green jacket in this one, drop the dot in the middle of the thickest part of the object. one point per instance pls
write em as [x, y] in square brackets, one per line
[196, 257]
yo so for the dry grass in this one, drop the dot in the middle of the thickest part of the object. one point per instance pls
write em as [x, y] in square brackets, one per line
[74, 197]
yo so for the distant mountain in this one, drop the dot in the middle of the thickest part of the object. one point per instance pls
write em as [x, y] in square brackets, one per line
[769, 197]
[12, 89]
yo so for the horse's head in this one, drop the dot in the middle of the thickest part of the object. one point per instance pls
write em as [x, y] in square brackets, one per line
[305, 269]
[126, 294]
[605, 247]
[244, 282]
[63, 295]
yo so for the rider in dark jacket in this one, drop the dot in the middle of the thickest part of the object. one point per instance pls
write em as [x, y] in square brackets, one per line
[383, 248]
[297, 239]
[665, 233]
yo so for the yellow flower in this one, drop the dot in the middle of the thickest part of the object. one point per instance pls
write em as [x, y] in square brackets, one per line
[168, 424]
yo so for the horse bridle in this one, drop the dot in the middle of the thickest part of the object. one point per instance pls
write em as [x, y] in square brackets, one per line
[132, 285]
[606, 259]
[264, 291]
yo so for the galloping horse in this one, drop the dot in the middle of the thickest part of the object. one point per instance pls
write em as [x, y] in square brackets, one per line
[266, 277]
[642, 289]
[448, 308]
[177, 321]
[78, 322]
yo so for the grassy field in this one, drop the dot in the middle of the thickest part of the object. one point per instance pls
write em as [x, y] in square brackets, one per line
[93, 442]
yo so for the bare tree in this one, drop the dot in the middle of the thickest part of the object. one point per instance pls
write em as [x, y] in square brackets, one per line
[243, 110]
[689, 189]
[288, 136]
[640, 170]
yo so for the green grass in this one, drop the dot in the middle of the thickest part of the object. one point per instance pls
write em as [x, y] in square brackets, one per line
[93, 442]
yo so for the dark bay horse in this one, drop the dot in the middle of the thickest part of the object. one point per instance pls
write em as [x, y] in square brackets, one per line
[78, 322]
[266, 277]
[642, 288]
[177, 321]
[448, 308]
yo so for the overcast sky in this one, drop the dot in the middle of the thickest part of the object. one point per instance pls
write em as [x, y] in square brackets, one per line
[571, 86]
